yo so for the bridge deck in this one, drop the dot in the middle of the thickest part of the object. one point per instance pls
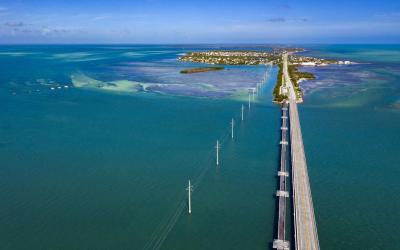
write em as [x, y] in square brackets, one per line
[280, 242]
[306, 236]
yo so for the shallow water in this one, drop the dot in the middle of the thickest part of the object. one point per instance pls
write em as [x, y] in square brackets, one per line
[89, 168]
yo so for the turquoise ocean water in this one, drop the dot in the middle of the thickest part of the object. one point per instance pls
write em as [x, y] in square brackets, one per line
[97, 144]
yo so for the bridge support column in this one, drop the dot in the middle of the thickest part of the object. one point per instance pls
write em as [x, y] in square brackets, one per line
[280, 244]
[281, 193]
[285, 174]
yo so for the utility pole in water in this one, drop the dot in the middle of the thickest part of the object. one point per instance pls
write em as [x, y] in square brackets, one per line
[242, 111]
[190, 190]
[217, 148]
[249, 99]
[232, 125]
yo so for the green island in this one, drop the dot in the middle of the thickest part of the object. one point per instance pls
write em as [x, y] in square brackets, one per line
[296, 76]
[278, 97]
[202, 69]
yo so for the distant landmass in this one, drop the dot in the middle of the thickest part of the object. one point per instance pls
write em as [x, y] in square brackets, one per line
[202, 69]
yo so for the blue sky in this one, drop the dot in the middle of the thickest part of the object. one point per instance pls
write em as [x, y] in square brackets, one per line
[206, 21]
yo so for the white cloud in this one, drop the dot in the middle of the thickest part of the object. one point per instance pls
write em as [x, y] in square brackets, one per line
[389, 16]
[14, 24]
[102, 17]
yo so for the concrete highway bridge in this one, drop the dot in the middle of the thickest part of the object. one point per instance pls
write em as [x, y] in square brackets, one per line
[305, 228]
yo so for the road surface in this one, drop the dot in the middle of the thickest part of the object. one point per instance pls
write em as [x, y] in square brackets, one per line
[306, 236]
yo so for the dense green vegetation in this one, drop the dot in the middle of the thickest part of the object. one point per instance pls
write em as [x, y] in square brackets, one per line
[277, 96]
[198, 70]
[296, 75]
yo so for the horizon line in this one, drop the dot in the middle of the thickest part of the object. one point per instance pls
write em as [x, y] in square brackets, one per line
[201, 43]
